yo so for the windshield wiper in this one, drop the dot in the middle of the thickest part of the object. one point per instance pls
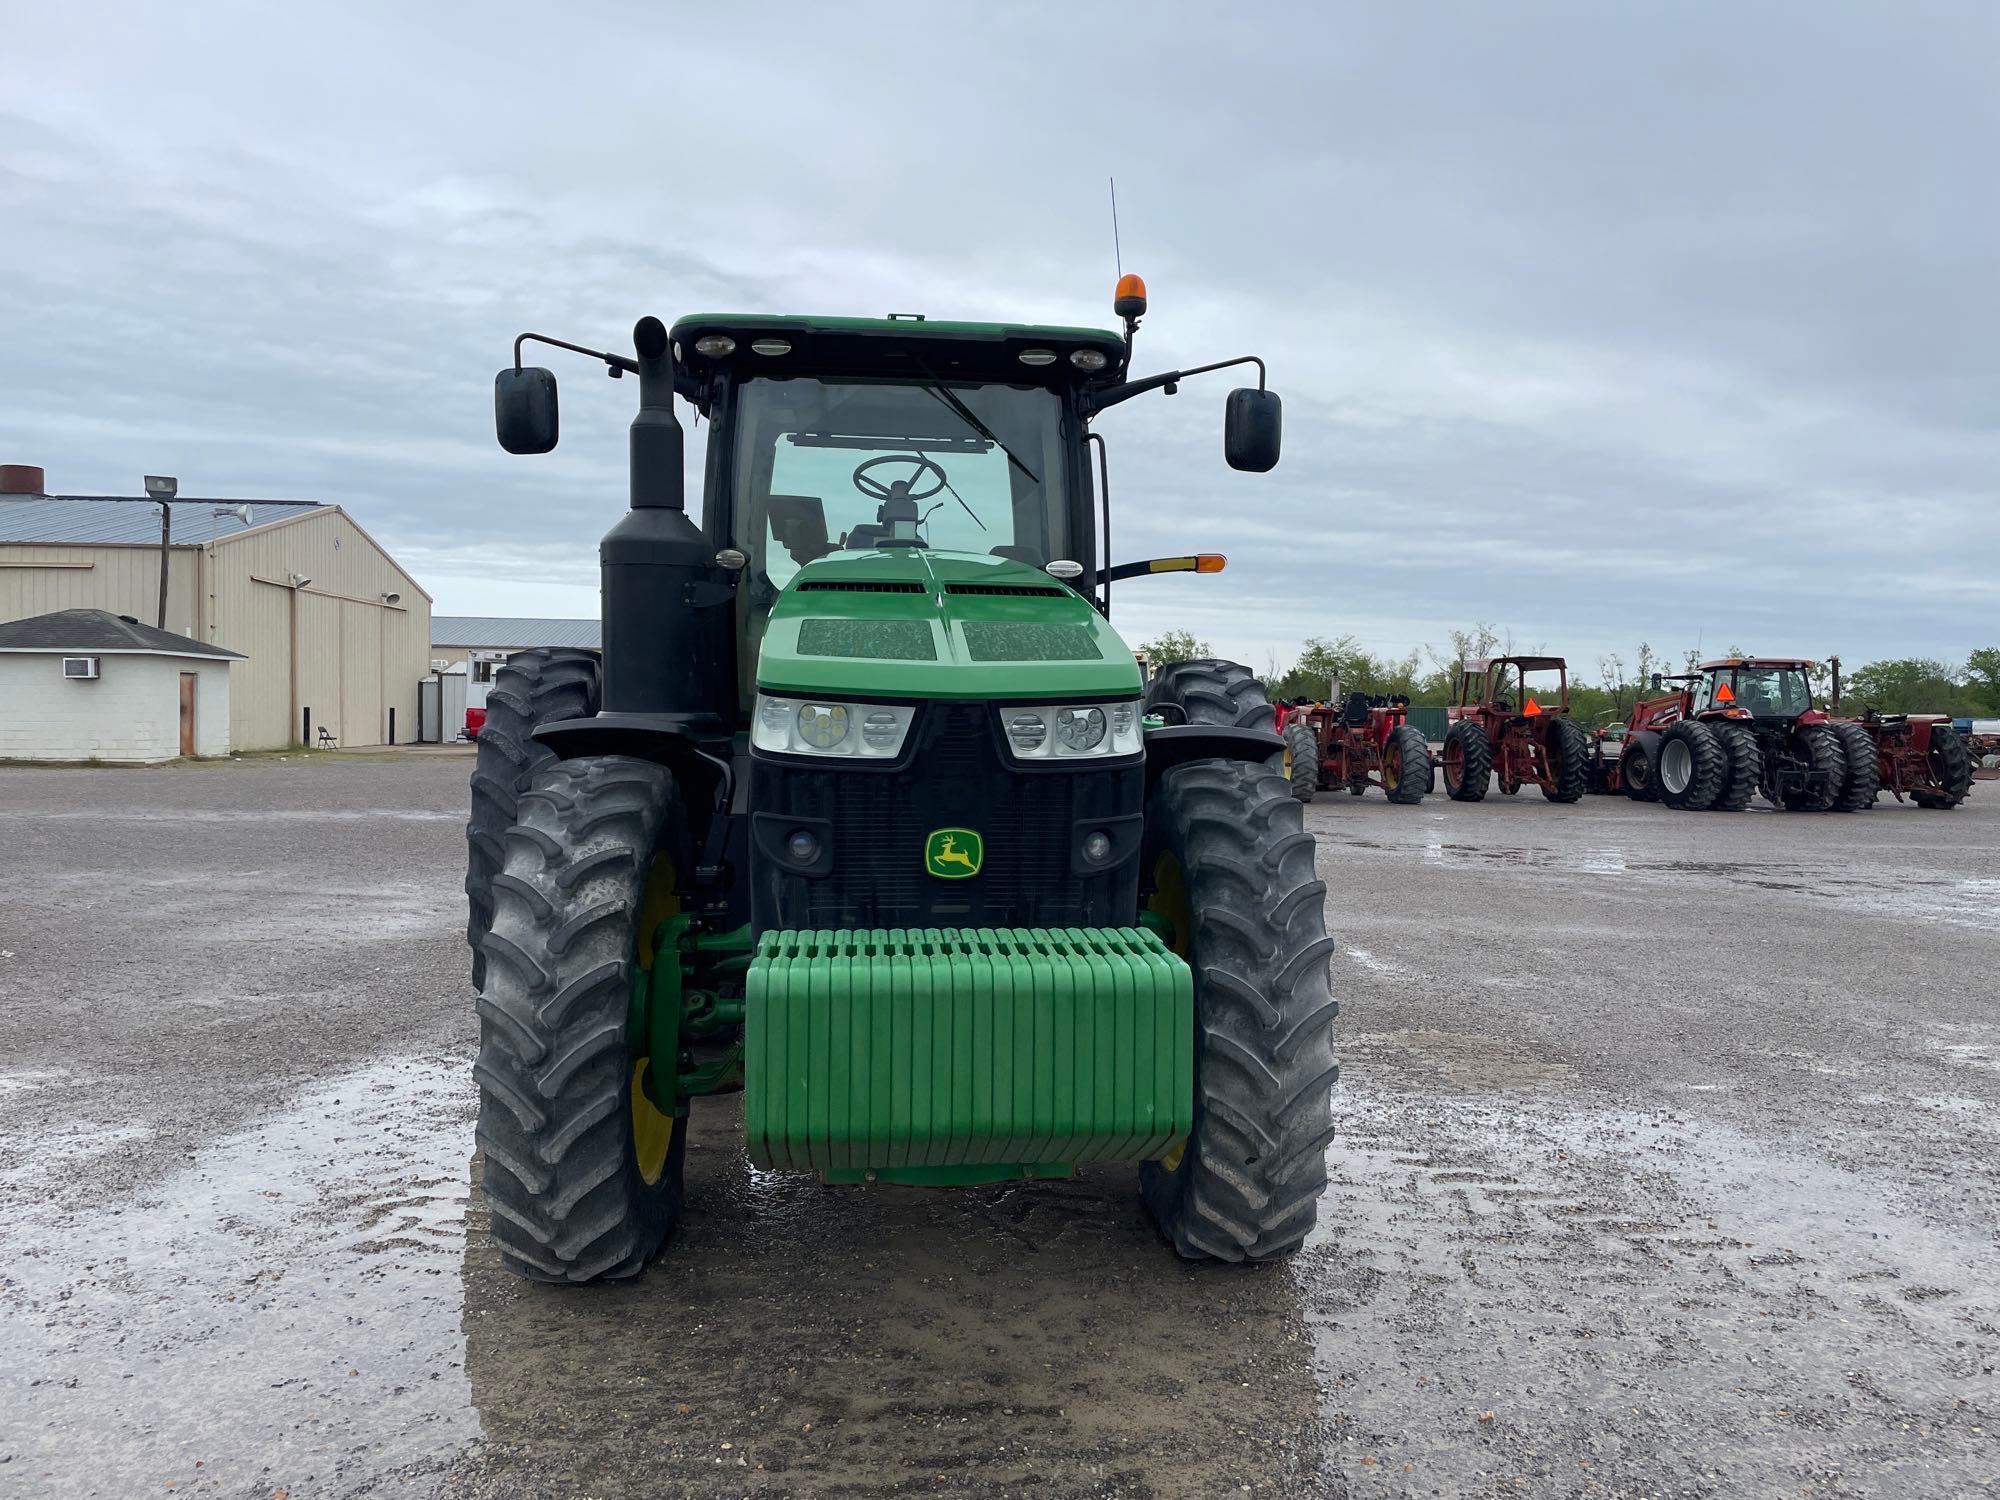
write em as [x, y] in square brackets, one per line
[940, 391]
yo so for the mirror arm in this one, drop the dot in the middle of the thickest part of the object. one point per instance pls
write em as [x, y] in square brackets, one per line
[620, 365]
[1097, 401]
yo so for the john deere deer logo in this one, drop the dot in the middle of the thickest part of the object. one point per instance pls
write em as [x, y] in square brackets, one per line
[953, 853]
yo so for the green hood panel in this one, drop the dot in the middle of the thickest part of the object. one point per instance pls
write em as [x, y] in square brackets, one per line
[912, 623]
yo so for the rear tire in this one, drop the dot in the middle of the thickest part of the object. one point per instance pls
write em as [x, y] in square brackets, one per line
[1816, 746]
[1304, 747]
[1468, 762]
[1247, 1184]
[570, 1198]
[1568, 750]
[531, 688]
[1745, 767]
[1212, 692]
[1951, 768]
[1864, 769]
[1692, 767]
[1406, 765]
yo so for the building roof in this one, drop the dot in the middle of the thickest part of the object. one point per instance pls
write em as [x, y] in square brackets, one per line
[135, 519]
[508, 633]
[101, 630]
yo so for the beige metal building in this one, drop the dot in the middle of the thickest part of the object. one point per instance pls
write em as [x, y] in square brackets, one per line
[336, 634]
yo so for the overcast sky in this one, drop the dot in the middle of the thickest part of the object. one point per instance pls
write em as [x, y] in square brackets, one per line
[1601, 323]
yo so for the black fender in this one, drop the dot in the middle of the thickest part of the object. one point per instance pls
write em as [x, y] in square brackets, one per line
[689, 746]
[1178, 744]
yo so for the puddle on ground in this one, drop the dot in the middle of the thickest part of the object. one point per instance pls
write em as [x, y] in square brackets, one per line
[1570, 1294]
[283, 1312]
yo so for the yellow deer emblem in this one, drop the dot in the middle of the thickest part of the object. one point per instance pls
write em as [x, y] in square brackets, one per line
[954, 853]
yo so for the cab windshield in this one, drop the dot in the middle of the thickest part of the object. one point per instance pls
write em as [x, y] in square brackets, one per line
[831, 465]
[1765, 692]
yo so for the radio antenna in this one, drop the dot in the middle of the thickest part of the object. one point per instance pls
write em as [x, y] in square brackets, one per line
[1117, 252]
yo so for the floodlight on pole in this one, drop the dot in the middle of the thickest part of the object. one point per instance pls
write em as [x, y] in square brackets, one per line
[163, 488]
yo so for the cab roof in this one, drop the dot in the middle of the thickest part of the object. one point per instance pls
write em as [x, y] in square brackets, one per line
[1525, 663]
[1776, 663]
[903, 346]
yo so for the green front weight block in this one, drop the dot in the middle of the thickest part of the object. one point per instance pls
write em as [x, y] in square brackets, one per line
[965, 1054]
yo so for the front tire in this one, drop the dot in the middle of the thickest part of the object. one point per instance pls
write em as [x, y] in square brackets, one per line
[1692, 767]
[1568, 750]
[1304, 747]
[1468, 762]
[1636, 769]
[531, 688]
[583, 1171]
[1864, 769]
[1232, 869]
[1406, 765]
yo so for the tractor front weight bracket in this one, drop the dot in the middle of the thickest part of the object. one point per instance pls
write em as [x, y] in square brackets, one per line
[675, 1004]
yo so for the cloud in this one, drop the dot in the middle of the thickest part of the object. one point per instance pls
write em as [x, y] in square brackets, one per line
[1601, 324]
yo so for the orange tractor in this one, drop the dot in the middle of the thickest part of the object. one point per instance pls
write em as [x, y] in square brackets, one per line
[1355, 742]
[1499, 727]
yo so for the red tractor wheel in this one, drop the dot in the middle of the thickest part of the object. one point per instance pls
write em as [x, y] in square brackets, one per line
[1406, 764]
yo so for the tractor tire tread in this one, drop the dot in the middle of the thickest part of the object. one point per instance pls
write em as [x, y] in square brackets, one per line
[1708, 770]
[531, 688]
[1212, 691]
[1477, 773]
[1304, 746]
[1568, 751]
[568, 1203]
[1863, 782]
[1253, 1169]
[1744, 768]
[1413, 765]
[1828, 757]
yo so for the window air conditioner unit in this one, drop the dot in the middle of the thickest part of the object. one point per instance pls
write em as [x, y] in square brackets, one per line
[80, 668]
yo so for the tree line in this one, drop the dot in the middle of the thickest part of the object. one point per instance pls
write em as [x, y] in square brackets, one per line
[1429, 675]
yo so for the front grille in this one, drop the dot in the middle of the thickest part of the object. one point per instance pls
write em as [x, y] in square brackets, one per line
[875, 824]
[1006, 590]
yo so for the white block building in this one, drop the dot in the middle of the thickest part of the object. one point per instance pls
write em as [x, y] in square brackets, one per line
[86, 684]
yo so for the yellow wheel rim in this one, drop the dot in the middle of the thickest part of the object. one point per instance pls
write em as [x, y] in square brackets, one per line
[1169, 900]
[652, 1132]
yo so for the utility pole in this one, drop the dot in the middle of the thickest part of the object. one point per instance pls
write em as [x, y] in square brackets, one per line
[163, 488]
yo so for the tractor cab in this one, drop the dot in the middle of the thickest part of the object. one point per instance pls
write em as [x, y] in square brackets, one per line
[1777, 691]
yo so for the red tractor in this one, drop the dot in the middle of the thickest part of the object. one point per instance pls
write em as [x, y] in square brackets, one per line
[1739, 726]
[1498, 727]
[1918, 754]
[1362, 739]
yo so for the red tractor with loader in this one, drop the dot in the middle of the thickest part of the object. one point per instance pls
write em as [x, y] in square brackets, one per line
[1921, 755]
[1355, 742]
[1498, 726]
[1737, 727]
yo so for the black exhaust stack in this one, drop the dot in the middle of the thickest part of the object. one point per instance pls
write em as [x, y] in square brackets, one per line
[669, 640]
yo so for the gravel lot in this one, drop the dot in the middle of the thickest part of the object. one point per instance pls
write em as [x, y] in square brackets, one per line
[1668, 1168]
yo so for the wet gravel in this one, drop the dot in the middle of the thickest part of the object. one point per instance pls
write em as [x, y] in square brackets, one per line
[1668, 1169]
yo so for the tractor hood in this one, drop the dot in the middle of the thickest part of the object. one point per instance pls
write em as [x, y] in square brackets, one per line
[912, 623]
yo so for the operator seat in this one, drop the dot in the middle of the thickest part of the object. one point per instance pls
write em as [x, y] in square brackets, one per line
[1355, 714]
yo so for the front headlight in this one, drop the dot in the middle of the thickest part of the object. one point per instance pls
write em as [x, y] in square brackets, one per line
[821, 726]
[1071, 731]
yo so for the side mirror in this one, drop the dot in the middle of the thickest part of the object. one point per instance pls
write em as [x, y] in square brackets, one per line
[1252, 425]
[524, 410]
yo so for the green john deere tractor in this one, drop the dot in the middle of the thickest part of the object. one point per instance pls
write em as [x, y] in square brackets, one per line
[864, 812]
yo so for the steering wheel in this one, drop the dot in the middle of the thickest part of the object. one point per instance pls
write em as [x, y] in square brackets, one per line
[875, 489]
